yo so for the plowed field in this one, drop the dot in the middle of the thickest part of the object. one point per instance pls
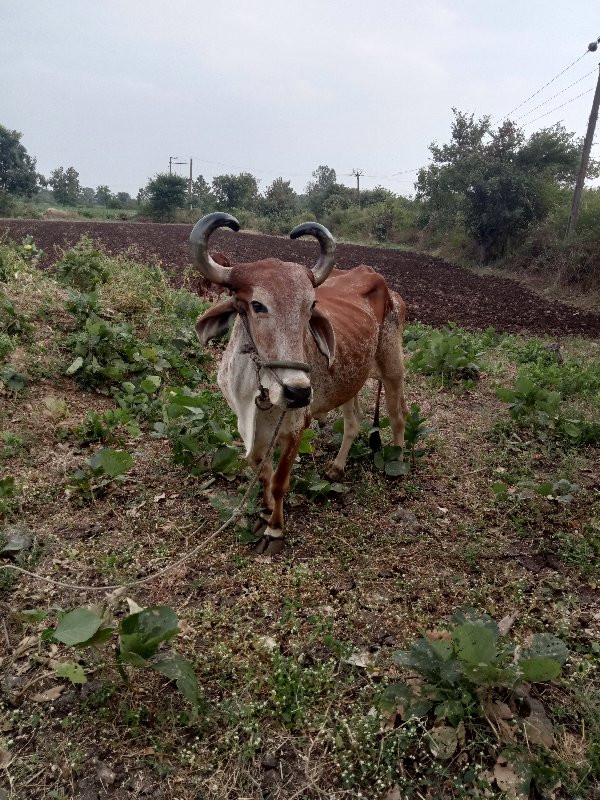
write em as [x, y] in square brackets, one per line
[436, 292]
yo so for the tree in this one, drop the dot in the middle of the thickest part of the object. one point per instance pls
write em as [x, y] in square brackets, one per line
[166, 193]
[495, 183]
[123, 200]
[280, 198]
[17, 168]
[87, 196]
[235, 191]
[323, 188]
[65, 185]
[202, 197]
[103, 195]
[324, 178]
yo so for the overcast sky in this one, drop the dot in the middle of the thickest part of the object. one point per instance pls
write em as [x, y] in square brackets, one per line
[277, 87]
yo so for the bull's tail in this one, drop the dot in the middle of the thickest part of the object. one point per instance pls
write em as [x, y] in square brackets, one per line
[375, 436]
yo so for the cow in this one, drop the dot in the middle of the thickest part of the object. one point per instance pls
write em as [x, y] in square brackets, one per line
[304, 342]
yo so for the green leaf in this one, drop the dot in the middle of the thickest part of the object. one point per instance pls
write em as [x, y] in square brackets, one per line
[537, 670]
[113, 462]
[305, 446]
[71, 671]
[77, 364]
[180, 670]
[224, 458]
[396, 468]
[77, 626]
[442, 648]
[546, 645]
[379, 460]
[150, 384]
[394, 695]
[475, 643]
[142, 634]
[417, 709]
[102, 635]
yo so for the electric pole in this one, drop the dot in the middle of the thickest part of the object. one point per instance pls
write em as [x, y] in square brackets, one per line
[171, 159]
[585, 155]
[190, 184]
[358, 173]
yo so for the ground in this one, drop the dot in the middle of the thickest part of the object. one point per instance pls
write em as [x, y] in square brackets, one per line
[435, 291]
[292, 652]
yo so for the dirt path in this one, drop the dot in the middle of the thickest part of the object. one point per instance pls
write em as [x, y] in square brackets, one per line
[436, 292]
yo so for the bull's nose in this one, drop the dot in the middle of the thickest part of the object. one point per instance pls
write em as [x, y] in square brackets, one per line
[296, 396]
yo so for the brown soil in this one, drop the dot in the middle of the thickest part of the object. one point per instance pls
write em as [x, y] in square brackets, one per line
[436, 292]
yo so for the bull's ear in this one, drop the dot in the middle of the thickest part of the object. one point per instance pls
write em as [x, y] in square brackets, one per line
[322, 330]
[216, 321]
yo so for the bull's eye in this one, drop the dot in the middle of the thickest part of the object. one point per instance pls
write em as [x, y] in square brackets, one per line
[258, 307]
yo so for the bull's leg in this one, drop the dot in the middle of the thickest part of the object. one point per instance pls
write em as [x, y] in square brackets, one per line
[256, 458]
[395, 402]
[272, 539]
[352, 417]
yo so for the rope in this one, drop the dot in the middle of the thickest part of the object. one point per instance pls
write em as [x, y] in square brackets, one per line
[235, 515]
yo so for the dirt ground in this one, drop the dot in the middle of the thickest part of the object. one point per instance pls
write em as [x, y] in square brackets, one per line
[436, 292]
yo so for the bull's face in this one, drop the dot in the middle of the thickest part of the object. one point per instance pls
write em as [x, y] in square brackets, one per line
[277, 306]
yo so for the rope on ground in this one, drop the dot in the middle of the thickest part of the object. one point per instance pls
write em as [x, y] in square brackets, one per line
[237, 513]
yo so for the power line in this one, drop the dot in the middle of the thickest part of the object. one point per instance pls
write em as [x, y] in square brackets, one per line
[560, 106]
[531, 96]
[526, 114]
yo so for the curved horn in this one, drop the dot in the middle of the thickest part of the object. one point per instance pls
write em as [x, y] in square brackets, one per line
[324, 265]
[199, 245]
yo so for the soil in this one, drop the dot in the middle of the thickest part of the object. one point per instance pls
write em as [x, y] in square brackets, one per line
[436, 291]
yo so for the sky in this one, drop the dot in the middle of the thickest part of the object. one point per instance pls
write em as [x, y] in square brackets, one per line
[278, 87]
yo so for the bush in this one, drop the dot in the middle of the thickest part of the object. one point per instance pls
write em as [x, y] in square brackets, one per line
[83, 267]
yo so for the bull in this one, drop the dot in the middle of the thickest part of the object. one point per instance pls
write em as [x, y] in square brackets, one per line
[304, 341]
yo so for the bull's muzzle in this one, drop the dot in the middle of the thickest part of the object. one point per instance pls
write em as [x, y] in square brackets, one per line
[297, 396]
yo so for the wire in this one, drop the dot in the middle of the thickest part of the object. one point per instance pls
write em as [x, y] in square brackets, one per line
[531, 96]
[526, 114]
[560, 106]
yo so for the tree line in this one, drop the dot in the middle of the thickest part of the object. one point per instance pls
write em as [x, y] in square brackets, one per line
[488, 193]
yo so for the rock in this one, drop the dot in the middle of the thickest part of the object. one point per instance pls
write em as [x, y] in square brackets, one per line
[407, 519]
[270, 761]
[15, 539]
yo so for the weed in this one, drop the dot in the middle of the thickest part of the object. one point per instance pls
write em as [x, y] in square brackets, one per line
[83, 266]
[102, 427]
[448, 355]
[396, 460]
[140, 636]
[12, 445]
[200, 429]
[105, 468]
[8, 491]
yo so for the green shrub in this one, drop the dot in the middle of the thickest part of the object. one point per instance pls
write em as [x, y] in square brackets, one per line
[200, 428]
[447, 354]
[83, 267]
[140, 637]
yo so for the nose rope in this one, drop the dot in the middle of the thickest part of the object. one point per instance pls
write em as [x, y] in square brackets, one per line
[260, 363]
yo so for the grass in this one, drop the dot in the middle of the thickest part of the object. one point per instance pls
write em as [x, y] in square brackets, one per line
[286, 712]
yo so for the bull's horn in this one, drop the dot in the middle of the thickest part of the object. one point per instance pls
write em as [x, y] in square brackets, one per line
[199, 245]
[324, 265]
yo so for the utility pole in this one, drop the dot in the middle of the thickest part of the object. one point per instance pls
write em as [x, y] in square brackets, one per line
[585, 155]
[358, 173]
[171, 159]
[190, 184]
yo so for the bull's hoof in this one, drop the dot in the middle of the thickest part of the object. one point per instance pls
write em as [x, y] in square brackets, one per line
[268, 546]
[334, 474]
[261, 524]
